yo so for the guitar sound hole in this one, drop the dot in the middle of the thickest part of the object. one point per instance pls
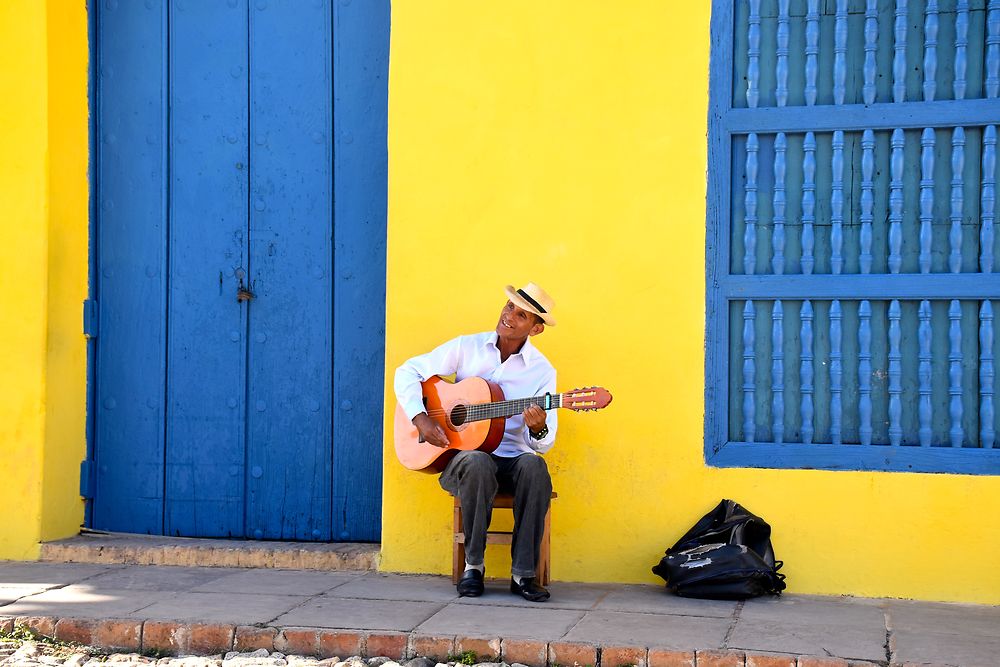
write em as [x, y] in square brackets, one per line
[459, 414]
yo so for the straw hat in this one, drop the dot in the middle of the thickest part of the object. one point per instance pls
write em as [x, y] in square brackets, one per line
[533, 299]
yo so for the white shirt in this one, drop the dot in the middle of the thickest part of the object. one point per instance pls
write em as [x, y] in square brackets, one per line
[525, 374]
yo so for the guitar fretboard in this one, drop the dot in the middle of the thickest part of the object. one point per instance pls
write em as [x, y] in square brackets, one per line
[499, 409]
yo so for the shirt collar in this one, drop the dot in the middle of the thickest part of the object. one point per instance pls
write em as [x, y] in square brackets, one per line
[527, 352]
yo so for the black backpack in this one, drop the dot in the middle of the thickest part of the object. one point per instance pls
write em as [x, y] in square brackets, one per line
[727, 555]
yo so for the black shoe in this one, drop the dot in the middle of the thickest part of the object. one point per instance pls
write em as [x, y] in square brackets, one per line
[529, 590]
[471, 584]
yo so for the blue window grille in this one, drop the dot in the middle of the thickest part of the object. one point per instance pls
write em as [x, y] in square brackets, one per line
[851, 252]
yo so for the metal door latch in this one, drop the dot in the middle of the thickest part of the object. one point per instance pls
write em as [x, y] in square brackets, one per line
[243, 294]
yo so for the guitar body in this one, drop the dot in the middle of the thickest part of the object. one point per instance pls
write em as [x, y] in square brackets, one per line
[440, 399]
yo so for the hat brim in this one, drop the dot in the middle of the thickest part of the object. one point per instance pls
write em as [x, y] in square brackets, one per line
[521, 303]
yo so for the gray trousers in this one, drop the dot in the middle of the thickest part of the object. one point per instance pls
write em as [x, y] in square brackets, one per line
[475, 477]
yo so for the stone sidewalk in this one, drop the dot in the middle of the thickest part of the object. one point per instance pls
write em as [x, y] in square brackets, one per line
[203, 610]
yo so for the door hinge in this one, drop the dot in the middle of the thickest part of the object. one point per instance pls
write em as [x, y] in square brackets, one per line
[87, 469]
[90, 318]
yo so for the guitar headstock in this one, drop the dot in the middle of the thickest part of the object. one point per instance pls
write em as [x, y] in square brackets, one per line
[586, 399]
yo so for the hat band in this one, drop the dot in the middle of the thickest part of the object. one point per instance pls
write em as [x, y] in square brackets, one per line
[531, 301]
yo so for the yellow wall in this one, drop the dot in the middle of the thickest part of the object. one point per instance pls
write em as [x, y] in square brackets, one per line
[43, 270]
[561, 142]
[66, 364]
[564, 142]
[23, 272]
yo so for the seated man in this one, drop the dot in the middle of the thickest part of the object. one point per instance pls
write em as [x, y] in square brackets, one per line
[507, 357]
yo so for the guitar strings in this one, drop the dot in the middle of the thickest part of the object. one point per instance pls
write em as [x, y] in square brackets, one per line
[441, 412]
[483, 414]
[473, 406]
[533, 400]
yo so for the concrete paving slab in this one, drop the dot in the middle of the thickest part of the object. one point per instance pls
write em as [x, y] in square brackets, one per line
[49, 574]
[809, 637]
[947, 649]
[540, 622]
[657, 600]
[415, 588]
[155, 578]
[810, 609]
[564, 596]
[81, 601]
[276, 582]
[959, 619]
[13, 592]
[330, 612]
[640, 615]
[246, 609]
[658, 630]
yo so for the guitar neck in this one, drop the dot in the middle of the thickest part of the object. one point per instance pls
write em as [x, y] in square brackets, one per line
[498, 409]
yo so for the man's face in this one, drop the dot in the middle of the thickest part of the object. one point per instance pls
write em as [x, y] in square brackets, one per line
[517, 323]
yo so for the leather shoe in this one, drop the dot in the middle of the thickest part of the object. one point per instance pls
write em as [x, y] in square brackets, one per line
[529, 590]
[471, 584]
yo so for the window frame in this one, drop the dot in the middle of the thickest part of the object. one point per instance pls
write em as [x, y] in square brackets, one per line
[720, 290]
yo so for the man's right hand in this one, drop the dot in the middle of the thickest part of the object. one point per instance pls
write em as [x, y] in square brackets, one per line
[430, 430]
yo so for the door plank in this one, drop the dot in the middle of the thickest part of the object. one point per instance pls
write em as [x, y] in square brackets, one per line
[291, 229]
[206, 359]
[131, 260]
[361, 61]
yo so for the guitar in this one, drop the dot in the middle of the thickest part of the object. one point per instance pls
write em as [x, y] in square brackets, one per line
[472, 413]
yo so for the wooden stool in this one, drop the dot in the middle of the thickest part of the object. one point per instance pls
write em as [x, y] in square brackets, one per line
[501, 501]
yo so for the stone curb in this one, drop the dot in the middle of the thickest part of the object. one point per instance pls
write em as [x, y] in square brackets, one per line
[140, 551]
[180, 638]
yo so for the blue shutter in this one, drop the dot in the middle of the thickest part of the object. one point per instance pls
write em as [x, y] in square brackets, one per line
[850, 253]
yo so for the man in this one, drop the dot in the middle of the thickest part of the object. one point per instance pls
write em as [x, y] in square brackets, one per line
[507, 357]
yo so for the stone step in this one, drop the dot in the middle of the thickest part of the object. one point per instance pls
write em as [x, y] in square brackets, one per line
[129, 549]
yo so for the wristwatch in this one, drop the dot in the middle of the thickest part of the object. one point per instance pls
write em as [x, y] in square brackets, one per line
[541, 434]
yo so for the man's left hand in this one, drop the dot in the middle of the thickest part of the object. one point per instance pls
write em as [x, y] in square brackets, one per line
[534, 418]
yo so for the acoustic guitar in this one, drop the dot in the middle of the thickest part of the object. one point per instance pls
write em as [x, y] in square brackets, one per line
[472, 413]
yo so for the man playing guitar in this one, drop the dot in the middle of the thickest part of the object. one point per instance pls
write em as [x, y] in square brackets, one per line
[506, 357]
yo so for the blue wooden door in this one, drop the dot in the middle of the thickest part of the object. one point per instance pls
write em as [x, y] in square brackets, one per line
[239, 256]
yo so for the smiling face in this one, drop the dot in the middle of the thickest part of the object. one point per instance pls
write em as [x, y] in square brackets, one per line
[516, 324]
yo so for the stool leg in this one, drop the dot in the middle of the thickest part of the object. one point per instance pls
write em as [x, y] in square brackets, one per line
[458, 546]
[543, 556]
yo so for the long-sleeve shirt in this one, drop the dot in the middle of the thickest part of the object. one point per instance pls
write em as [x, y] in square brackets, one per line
[525, 374]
